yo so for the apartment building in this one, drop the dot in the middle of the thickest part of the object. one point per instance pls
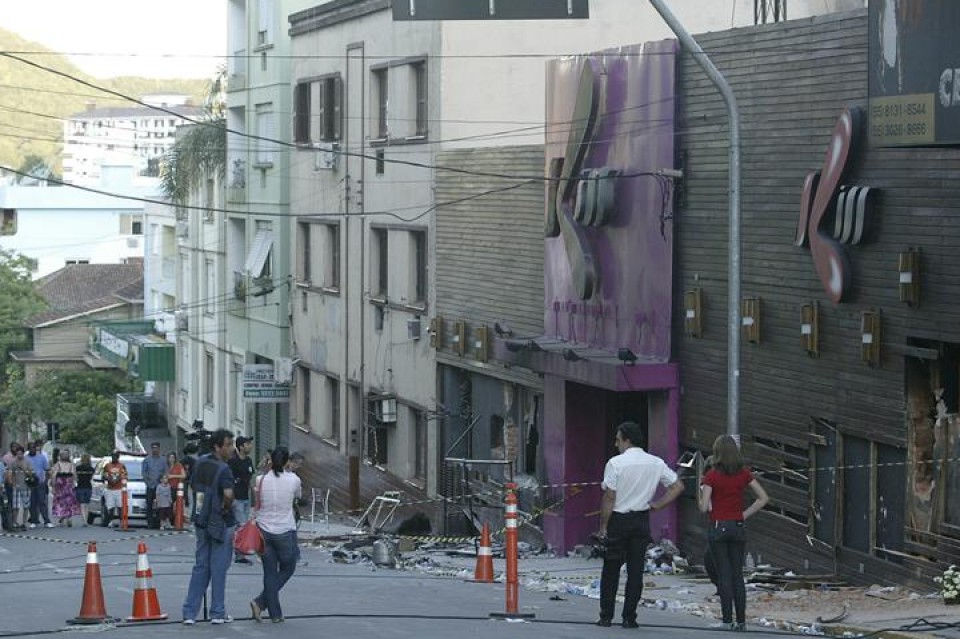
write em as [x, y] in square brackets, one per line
[138, 135]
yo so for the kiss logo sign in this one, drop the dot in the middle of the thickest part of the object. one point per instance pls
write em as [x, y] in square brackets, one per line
[578, 198]
[823, 195]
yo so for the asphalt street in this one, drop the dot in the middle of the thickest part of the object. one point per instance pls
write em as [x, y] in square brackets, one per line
[42, 577]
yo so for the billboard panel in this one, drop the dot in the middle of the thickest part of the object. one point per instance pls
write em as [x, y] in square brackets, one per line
[914, 72]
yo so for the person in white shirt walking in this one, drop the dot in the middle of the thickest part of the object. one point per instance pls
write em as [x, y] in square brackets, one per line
[630, 482]
[277, 491]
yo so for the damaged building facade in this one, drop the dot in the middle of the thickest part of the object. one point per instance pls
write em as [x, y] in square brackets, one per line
[850, 372]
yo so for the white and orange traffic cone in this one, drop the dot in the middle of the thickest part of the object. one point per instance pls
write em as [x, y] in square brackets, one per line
[146, 605]
[93, 610]
[483, 573]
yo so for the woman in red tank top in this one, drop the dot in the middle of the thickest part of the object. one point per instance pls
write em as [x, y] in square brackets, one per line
[721, 496]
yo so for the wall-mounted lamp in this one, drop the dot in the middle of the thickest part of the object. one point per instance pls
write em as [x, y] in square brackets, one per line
[626, 356]
[480, 342]
[909, 268]
[693, 312]
[459, 337]
[810, 328]
[870, 337]
[750, 319]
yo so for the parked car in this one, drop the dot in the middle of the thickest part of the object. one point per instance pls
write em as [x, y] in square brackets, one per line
[136, 490]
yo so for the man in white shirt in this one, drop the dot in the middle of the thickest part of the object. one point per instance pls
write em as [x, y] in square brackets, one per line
[630, 481]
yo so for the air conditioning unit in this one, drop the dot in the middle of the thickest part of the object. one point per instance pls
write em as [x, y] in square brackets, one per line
[165, 323]
[327, 156]
[183, 229]
[413, 328]
[385, 410]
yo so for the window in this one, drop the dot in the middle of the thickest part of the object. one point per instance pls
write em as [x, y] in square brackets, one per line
[380, 96]
[76, 260]
[305, 397]
[301, 114]
[420, 444]
[381, 162]
[303, 234]
[331, 429]
[131, 224]
[331, 276]
[265, 22]
[266, 133]
[317, 110]
[418, 267]
[419, 93]
[377, 434]
[329, 102]
[258, 259]
[208, 377]
[210, 292]
[380, 268]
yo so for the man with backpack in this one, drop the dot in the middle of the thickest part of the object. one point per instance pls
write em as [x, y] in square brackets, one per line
[214, 523]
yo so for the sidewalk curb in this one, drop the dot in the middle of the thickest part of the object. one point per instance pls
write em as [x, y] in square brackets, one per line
[837, 630]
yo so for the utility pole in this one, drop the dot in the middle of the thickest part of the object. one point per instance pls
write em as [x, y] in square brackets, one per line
[733, 243]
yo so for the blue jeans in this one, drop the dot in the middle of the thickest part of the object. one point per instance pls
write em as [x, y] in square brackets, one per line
[213, 558]
[279, 562]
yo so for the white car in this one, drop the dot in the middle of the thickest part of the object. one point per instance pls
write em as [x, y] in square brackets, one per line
[136, 490]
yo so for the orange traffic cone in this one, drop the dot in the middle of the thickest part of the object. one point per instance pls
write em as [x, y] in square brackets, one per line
[484, 571]
[146, 606]
[93, 610]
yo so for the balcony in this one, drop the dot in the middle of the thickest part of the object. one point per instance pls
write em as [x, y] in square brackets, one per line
[237, 78]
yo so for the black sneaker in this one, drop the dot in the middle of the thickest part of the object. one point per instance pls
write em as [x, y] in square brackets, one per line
[604, 622]
[738, 627]
[242, 560]
[630, 623]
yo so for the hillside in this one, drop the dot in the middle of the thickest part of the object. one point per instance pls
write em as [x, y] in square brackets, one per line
[33, 101]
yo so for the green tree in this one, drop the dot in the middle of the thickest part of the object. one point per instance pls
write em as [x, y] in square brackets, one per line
[82, 402]
[19, 300]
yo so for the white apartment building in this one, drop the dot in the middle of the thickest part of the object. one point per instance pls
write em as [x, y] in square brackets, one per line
[374, 101]
[126, 134]
[57, 226]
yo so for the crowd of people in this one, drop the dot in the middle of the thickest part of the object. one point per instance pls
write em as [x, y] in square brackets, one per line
[30, 481]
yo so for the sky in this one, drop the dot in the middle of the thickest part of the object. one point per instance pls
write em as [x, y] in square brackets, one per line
[168, 39]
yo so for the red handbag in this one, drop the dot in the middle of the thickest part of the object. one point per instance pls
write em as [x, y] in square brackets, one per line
[248, 539]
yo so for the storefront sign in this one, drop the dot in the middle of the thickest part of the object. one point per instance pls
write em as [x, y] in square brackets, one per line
[825, 197]
[260, 385]
[914, 72]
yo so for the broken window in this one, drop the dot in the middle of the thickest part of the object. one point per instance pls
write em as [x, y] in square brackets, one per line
[787, 466]
[932, 382]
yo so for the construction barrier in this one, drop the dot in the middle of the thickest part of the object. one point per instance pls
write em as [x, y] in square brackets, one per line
[512, 581]
[146, 605]
[483, 573]
[178, 508]
[124, 504]
[93, 610]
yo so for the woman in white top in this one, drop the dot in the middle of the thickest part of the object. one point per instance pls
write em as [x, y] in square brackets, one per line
[276, 491]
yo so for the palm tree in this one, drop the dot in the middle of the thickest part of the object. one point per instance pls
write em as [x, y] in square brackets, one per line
[200, 149]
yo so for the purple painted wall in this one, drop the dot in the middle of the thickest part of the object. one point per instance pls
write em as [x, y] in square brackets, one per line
[633, 251]
[608, 270]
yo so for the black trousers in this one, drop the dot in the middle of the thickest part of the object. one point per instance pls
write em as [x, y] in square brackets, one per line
[153, 521]
[628, 535]
[727, 541]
